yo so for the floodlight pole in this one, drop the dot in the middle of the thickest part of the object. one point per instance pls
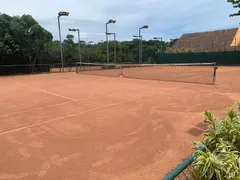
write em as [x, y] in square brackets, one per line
[140, 43]
[60, 39]
[140, 52]
[61, 13]
[79, 43]
[115, 48]
[107, 43]
[89, 43]
[110, 21]
[160, 41]
[161, 45]
[79, 46]
[140, 37]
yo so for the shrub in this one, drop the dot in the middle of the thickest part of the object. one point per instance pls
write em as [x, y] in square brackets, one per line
[221, 159]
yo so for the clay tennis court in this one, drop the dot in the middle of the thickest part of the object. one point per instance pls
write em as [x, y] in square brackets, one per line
[80, 127]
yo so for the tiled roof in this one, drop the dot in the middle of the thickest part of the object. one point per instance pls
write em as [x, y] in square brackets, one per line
[219, 40]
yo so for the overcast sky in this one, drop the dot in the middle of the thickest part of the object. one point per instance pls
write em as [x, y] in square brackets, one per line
[166, 18]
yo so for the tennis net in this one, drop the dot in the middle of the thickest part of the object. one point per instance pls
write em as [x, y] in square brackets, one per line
[112, 70]
[202, 73]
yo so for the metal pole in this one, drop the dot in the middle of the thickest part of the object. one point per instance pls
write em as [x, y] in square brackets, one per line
[161, 46]
[79, 46]
[115, 49]
[88, 51]
[60, 39]
[139, 61]
[107, 43]
[141, 51]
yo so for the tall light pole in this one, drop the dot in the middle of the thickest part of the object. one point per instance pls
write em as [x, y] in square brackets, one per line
[79, 43]
[140, 38]
[156, 38]
[115, 47]
[140, 42]
[61, 13]
[109, 22]
[89, 43]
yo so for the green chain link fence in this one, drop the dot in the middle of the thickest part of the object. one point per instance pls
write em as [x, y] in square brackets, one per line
[221, 58]
[185, 170]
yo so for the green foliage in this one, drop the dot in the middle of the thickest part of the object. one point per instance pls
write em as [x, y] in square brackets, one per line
[183, 50]
[221, 159]
[22, 37]
[236, 4]
[172, 42]
[24, 41]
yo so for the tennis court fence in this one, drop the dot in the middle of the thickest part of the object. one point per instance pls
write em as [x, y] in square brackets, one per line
[185, 170]
[201, 73]
[34, 69]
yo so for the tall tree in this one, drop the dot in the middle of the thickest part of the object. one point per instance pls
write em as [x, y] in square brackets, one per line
[22, 36]
[23, 40]
[236, 4]
[8, 45]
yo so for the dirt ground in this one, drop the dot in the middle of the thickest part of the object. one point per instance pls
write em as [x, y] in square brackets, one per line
[69, 126]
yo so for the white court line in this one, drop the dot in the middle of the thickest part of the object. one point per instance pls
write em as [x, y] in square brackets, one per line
[80, 100]
[40, 90]
[71, 115]
[24, 111]
[52, 120]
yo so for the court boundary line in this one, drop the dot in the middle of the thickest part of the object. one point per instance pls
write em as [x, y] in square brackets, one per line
[68, 102]
[19, 112]
[44, 91]
[82, 112]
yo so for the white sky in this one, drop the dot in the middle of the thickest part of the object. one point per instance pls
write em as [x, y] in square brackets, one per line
[167, 19]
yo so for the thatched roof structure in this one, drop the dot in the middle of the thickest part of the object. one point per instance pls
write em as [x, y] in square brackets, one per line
[211, 41]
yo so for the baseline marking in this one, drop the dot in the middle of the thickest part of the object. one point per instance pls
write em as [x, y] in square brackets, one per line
[80, 100]
[72, 115]
[19, 112]
[40, 90]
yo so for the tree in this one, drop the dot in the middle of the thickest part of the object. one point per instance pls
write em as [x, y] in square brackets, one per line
[53, 52]
[236, 4]
[8, 45]
[172, 42]
[22, 37]
[24, 41]
[69, 39]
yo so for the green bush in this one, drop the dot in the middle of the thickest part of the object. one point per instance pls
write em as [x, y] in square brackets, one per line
[221, 159]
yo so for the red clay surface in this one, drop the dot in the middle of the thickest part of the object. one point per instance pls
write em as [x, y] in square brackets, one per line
[80, 127]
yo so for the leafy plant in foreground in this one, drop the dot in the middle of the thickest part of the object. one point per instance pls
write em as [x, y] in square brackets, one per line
[221, 159]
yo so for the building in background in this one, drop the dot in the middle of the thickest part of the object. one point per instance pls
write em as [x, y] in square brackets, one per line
[211, 41]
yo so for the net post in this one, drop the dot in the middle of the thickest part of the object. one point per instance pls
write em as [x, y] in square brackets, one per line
[50, 70]
[214, 72]
[121, 67]
[77, 67]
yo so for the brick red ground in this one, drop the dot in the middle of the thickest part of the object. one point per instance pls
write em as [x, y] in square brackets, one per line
[79, 127]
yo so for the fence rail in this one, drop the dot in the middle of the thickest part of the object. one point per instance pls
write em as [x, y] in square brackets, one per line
[34, 69]
[184, 171]
[221, 58]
